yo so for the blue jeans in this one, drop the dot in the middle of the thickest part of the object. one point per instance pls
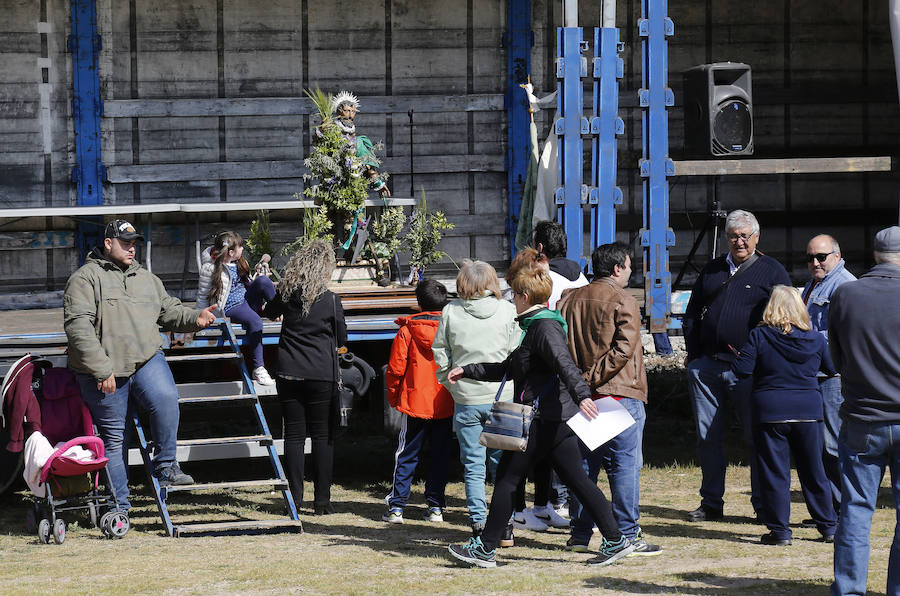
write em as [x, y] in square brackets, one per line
[831, 395]
[413, 433]
[151, 388]
[709, 392]
[468, 422]
[865, 451]
[622, 458]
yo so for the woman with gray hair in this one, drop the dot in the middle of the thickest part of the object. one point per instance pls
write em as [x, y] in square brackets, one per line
[478, 327]
[311, 331]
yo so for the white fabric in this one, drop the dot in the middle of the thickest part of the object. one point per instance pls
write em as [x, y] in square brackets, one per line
[545, 193]
[207, 268]
[895, 35]
[560, 284]
[37, 451]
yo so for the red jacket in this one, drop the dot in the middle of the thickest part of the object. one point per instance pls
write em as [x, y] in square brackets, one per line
[412, 387]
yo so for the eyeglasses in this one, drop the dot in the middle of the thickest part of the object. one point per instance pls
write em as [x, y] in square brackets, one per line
[819, 256]
[744, 237]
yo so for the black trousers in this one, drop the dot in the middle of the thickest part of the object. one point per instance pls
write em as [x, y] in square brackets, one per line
[556, 441]
[307, 410]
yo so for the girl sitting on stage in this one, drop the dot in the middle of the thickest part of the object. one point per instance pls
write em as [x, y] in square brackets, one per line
[225, 280]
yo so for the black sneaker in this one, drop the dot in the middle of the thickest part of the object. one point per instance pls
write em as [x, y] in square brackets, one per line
[473, 552]
[704, 513]
[173, 476]
[610, 552]
[576, 545]
[771, 539]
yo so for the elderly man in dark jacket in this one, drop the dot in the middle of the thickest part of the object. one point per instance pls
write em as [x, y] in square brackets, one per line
[727, 301]
[864, 339]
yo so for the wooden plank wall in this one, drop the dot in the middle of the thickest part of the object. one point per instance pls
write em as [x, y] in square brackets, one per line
[35, 137]
[202, 103]
[205, 103]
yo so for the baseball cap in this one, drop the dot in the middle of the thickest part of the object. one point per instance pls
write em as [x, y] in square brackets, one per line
[121, 229]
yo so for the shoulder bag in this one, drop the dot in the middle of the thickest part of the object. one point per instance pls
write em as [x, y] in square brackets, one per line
[509, 423]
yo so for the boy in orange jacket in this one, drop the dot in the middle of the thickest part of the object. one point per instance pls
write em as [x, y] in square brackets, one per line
[426, 405]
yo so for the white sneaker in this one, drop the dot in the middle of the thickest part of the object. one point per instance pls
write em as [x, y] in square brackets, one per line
[562, 511]
[261, 376]
[549, 516]
[526, 520]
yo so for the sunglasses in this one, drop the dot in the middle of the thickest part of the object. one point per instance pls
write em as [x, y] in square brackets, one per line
[821, 256]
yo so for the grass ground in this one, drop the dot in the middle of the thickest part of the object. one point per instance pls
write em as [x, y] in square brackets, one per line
[353, 552]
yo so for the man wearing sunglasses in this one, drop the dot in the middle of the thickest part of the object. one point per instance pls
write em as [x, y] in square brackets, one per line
[727, 301]
[823, 258]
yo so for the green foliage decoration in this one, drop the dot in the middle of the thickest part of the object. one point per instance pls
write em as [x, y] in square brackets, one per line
[425, 233]
[386, 232]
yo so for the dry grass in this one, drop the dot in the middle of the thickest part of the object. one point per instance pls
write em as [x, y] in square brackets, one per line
[354, 553]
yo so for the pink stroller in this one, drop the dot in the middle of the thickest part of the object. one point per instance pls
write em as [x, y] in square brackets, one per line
[69, 477]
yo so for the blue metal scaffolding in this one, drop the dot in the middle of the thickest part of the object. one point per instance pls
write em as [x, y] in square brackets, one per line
[654, 96]
[518, 40]
[87, 108]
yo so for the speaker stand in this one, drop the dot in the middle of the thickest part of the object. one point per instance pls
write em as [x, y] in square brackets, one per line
[713, 217]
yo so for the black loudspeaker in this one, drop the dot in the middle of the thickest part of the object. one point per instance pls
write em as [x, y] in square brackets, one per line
[718, 110]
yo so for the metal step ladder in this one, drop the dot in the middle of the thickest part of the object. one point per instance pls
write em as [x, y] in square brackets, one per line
[243, 392]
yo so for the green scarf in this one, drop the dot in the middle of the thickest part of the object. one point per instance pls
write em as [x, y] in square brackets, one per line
[545, 313]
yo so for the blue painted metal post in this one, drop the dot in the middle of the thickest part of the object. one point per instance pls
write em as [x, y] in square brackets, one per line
[87, 107]
[518, 40]
[605, 124]
[654, 96]
[571, 66]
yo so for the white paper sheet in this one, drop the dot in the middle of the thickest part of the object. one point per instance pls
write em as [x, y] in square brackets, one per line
[612, 420]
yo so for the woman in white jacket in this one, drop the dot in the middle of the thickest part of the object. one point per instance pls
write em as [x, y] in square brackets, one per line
[225, 280]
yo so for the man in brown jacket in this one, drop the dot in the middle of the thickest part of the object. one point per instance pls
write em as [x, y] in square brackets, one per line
[605, 340]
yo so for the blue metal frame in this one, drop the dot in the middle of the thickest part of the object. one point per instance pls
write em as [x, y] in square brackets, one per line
[571, 194]
[519, 40]
[655, 165]
[605, 125]
[87, 108]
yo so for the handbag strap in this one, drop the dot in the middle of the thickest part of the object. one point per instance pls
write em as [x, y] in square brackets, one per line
[338, 377]
[500, 390]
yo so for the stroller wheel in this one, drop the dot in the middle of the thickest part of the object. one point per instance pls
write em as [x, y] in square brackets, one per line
[31, 520]
[104, 524]
[119, 524]
[43, 530]
[59, 531]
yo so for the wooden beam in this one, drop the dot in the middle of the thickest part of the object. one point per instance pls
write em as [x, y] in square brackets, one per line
[795, 165]
[293, 106]
[260, 170]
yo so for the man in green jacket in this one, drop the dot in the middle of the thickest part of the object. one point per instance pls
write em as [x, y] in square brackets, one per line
[113, 309]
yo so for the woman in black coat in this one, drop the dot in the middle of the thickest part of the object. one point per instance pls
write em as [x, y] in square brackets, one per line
[542, 371]
[312, 329]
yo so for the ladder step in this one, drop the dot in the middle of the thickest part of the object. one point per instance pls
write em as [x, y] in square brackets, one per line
[287, 525]
[275, 482]
[202, 357]
[261, 439]
[216, 398]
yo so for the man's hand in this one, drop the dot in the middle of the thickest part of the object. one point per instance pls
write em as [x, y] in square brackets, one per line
[588, 408]
[454, 375]
[207, 317]
[107, 385]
